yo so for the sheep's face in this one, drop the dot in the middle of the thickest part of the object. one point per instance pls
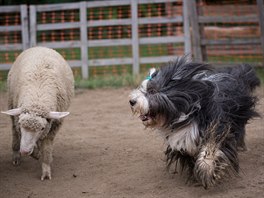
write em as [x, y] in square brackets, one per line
[32, 127]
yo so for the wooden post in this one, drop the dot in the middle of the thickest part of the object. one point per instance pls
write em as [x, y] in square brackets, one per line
[186, 29]
[261, 23]
[196, 38]
[33, 26]
[200, 12]
[84, 40]
[135, 42]
[24, 26]
[169, 14]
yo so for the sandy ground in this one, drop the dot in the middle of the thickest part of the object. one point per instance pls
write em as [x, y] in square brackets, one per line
[103, 151]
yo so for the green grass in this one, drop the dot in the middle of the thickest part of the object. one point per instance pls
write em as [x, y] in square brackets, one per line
[117, 81]
[260, 73]
[109, 81]
[2, 86]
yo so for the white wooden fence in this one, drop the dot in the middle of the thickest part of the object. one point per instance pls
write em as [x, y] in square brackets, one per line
[30, 27]
[30, 37]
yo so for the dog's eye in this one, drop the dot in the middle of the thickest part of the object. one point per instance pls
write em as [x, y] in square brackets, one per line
[152, 91]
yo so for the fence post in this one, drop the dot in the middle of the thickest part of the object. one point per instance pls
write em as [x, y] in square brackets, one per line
[33, 26]
[261, 23]
[24, 26]
[84, 42]
[196, 37]
[135, 40]
[186, 27]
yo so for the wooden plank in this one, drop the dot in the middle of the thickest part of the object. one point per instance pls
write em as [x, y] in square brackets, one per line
[61, 44]
[111, 61]
[112, 22]
[161, 40]
[114, 42]
[84, 46]
[160, 59]
[11, 47]
[7, 9]
[261, 24]
[236, 9]
[95, 4]
[247, 41]
[10, 28]
[24, 26]
[228, 19]
[200, 12]
[158, 20]
[74, 63]
[109, 42]
[135, 37]
[186, 28]
[141, 21]
[124, 2]
[157, 1]
[5, 66]
[58, 26]
[56, 7]
[196, 38]
[33, 26]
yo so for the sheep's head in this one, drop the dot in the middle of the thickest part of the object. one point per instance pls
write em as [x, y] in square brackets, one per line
[33, 126]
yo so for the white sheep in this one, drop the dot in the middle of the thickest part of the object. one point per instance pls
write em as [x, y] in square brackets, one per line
[40, 87]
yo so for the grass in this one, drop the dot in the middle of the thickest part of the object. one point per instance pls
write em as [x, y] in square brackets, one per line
[109, 81]
[117, 81]
[127, 81]
[260, 73]
[2, 86]
[120, 76]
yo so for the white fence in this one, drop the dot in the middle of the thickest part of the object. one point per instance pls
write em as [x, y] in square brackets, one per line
[30, 28]
[30, 37]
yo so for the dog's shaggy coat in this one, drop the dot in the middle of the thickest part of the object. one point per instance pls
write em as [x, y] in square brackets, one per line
[201, 113]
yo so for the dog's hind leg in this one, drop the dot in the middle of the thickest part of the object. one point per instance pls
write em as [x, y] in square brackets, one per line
[241, 145]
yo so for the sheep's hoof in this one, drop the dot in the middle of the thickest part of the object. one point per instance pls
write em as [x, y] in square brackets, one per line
[16, 158]
[45, 176]
[46, 172]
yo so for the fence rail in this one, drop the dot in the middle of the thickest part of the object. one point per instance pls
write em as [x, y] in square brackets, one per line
[86, 30]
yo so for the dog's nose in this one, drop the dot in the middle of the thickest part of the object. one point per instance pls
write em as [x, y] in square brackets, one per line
[132, 102]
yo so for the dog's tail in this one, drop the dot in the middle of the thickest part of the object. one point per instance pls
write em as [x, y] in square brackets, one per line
[247, 74]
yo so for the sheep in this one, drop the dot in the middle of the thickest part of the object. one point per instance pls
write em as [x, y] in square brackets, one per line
[40, 87]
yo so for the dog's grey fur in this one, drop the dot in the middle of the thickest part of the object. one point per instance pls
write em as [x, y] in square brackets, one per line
[201, 112]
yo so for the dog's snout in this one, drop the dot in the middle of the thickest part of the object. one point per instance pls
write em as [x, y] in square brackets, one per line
[132, 102]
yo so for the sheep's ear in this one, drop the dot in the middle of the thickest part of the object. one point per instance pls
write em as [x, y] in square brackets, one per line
[13, 112]
[57, 115]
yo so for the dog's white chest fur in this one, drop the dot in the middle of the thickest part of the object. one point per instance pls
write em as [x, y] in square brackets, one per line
[185, 139]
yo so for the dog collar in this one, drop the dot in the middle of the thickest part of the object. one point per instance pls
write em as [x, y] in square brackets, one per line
[148, 78]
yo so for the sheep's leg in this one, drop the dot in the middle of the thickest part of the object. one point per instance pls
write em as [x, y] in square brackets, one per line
[16, 158]
[46, 158]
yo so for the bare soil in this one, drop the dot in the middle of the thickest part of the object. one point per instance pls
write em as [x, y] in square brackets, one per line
[103, 151]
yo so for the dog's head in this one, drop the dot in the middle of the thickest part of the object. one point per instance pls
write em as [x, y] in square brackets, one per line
[171, 96]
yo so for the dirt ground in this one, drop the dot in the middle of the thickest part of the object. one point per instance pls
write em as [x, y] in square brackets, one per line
[103, 151]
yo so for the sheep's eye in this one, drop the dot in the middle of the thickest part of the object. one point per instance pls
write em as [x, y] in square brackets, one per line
[42, 129]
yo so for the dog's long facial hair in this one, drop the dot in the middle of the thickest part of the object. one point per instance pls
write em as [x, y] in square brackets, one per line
[201, 113]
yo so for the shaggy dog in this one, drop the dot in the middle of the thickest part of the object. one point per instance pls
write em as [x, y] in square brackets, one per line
[201, 112]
